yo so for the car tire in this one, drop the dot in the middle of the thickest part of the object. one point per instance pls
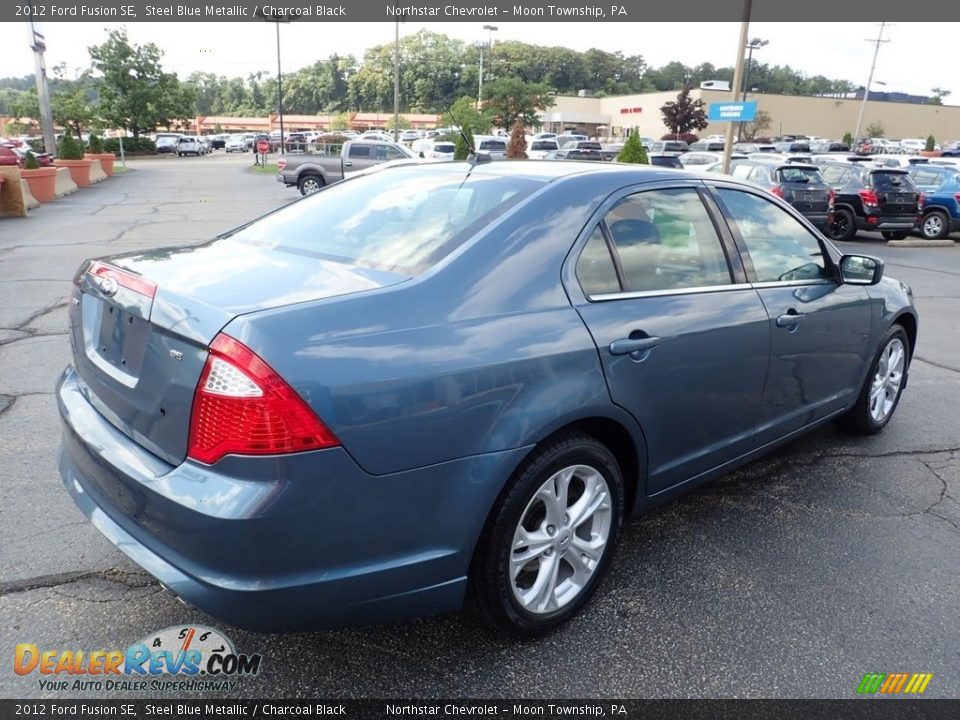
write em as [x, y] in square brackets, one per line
[875, 405]
[843, 227]
[309, 184]
[892, 235]
[532, 589]
[935, 225]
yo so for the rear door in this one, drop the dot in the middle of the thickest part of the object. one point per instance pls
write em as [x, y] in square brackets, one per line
[803, 187]
[683, 339]
[359, 157]
[895, 191]
[819, 327]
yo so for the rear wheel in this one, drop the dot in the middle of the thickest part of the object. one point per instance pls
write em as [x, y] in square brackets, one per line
[935, 225]
[891, 235]
[881, 390]
[549, 541]
[843, 226]
[309, 184]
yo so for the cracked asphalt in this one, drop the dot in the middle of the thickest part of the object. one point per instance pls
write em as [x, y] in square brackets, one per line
[792, 577]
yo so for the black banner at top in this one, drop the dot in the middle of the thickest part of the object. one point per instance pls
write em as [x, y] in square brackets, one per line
[578, 11]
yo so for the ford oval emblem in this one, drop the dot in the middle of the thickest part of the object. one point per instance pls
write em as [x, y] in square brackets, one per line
[109, 286]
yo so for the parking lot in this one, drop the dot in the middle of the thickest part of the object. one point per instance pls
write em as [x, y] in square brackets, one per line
[793, 577]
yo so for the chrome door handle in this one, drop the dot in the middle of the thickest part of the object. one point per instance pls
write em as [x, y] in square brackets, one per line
[347, 163]
[789, 320]
[629, 346]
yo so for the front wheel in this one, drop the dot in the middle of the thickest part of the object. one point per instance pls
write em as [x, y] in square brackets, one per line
[548, 543]
[843, 226]
[891, 235]
[881, 391]
[935, 225]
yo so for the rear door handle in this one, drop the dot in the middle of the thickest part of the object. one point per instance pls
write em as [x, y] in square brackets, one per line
[629, 346]
[789, 320]
[347, 163]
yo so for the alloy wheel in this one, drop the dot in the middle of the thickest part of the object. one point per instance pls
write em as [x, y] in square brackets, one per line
[560, 539]
[932, 226]
[885, 388]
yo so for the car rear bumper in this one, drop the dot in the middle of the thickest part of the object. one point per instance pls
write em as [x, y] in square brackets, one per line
[820, 220]
[302, 541]
[888, 222]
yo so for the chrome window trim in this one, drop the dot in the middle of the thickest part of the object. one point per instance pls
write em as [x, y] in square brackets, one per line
[792, 283]
[603, 297]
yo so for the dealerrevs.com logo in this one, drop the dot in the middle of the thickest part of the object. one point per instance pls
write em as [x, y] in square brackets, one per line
[178, 658]
[894, 683]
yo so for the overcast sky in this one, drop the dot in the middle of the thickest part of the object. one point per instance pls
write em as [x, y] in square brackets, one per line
[919, 57]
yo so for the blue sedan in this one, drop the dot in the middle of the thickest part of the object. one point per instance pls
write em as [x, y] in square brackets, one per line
[442, 379]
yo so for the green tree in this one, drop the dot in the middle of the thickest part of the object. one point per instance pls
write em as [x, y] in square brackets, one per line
[931, 143]
[511, 100]
[633, 151]
[684, 114]
[761, 123]
[462, 149]
[402, 123]
[135, 92]
[340, 122]
[848, 139]
[876, 129]
[69, 148]
[465, 110]
[96, 145]
[72, 107]
[938, 95]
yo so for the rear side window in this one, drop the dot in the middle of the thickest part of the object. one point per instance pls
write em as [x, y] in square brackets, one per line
[835, 175]
[595, 269]
[359, 151]
[891, 182]
[665, 240]
[493, 145]
[780, 248]
[799, 175]
[927, 177]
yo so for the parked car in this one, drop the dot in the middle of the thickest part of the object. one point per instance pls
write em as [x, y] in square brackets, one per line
[408, 136]
[190, 145]
[218, 142]
[668, 160]
[871, 198]
[913, 146]
[698, 160]
[663, 147]
[441, 150]
[580, 150]
[445, 378]
[539, 148]
[610, 151]
[823, 148]
[236, 143]
[167, 142]
[940, 186]
[793, 147]
[800, 185]
[495, 147]
[751, 147]
[7, 156]
[897, 161]
[311, 172]
[708, 145]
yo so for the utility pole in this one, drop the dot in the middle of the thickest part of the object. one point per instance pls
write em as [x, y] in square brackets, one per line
[866, 91]
[43, 94]
[754, 44]
[737, 77]
[280, 91]
[396, 85]
[491, 29]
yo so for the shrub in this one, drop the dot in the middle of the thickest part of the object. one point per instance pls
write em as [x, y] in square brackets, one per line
[30, 163]
[688, 138]
[96, 144]
[517, 149]
[633, 151]
[69, 149]
[462, 150]
[131, 146]
[848, 139]
[931, 143]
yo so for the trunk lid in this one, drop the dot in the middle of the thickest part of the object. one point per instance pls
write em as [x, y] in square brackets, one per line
[804, 187]
[895, 191]
[140, 324]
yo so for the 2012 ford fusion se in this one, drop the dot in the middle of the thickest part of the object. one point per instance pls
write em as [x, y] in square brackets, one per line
[442, 379]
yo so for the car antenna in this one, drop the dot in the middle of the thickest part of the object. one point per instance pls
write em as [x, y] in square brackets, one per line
[474, 158]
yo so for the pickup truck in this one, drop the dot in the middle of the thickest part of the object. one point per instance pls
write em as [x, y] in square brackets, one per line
[322, 165]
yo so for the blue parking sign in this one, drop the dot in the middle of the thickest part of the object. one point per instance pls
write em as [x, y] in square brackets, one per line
[732, 111]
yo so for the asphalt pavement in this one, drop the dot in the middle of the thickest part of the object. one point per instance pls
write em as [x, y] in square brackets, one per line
[793, 577]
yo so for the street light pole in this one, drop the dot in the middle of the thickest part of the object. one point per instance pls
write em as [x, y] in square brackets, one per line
[754, 44]
[737, 74]
[38, 46]
[280, 91]
[866, 90]
[491, 29]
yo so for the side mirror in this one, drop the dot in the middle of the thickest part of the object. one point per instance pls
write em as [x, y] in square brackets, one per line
[860, 270]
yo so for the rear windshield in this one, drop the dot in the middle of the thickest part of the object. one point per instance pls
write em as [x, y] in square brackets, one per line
[892, 182]
[543, 145]
[589, 146]
[799, 175]
[445, 147]
[402, 221]
[673, 146]
[493, 145]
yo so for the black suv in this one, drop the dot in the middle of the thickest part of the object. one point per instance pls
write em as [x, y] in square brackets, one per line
[872, 198]
[580, 150]
[800, 185]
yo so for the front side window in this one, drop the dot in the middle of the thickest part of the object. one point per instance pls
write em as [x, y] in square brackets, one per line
[665, 240]
[359, 151]
[780, 248]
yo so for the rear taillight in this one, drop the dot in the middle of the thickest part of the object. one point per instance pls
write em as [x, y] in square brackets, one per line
[777, 191]
[281, 163]
[831, 199]
[124, 279]
[957, 198]
[869, 197]
[920, 200]
[241, 406]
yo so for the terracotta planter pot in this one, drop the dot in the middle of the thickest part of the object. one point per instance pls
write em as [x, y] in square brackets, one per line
[42, 182]
[79, 170]
[931, 153]
[106, 161]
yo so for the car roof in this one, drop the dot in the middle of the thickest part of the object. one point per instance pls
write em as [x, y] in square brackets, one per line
[550, 170]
